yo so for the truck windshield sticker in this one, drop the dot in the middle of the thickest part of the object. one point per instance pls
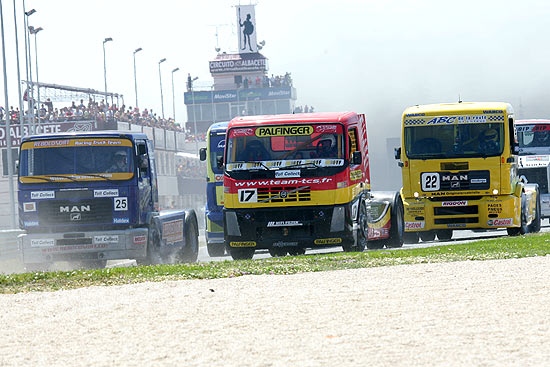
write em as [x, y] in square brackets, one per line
[457, 119]
[69, 160]
[284, 130]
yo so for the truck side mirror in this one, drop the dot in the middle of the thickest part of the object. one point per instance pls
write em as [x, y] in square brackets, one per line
[17, 166]
[202, 154]
[397, 153]
[143, 161]
[219, 162]
[356, 158]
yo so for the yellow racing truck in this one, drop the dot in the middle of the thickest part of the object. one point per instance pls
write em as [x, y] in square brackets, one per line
[460, 171]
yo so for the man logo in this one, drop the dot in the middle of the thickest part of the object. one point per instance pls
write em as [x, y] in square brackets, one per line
[74, 208]
[76, 216]
[284, 194]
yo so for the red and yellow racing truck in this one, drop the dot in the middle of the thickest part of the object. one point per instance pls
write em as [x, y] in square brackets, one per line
[301, 181]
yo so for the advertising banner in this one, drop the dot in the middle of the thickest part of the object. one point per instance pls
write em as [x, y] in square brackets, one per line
[243, 95]
[42, 128]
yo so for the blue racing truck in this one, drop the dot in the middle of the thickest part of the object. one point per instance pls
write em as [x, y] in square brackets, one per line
[215, 144]
[91, 197]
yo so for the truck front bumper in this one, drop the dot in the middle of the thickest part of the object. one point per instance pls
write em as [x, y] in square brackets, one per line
[83, 246]
[305, 227]
[488, 212]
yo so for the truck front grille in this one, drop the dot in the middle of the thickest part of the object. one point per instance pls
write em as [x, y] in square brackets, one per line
[51, 212]
[456, 210]
[537, 175]
[283, 194]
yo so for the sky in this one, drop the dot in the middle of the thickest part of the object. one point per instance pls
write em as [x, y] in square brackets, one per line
[372, 57]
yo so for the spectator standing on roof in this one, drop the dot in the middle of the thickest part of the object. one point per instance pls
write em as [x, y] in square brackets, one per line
[189, 82]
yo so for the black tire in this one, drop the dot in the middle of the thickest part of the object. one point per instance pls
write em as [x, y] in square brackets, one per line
[410, 237]
[426, 236]
[190, 252]
[296, 251]
[215, 249]
[242, 253]
[535, 225]
[444, 234]
[362, 231]
[522, 229]
[397, 228]
[153, 247]
[277, 251]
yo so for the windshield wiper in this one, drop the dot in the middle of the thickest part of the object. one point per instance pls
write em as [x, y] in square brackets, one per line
[259, 164]
[302, 165]
[38, 178]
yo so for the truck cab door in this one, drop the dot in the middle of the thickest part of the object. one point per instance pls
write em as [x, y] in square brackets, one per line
[146, 184]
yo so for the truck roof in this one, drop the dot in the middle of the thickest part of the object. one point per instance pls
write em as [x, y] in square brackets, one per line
[88, 134]
[447, 108]
[218, 127]
[533, 121]
[296, 118]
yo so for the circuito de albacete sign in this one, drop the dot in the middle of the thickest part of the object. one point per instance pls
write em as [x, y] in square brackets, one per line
[42, 128]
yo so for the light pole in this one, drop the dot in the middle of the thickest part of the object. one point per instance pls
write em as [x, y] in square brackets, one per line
[35, 31]
[28, 65]
[173, 95]
[108, 39]
[194, 113]
[7, 116]
[21, 107]
[161, 96]
[135, 78]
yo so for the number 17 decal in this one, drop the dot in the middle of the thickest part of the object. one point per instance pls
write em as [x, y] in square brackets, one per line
[429, 181]
[248, 195]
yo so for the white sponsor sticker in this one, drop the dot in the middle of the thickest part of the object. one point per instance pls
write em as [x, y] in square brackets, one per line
[29, 207]
[43, 242]
[284, 223]
[284, 244]
[287, 173]
[414, 225]
[42, 195]
[108, 193]
[429, 181]
[218, 178]
[504, 222]
[106, 239]
[455, 203]
[478, 180]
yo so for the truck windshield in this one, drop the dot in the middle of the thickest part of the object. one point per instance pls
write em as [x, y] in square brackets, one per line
[454, 141]
[534, 139]
[280, 146]
[76, 160]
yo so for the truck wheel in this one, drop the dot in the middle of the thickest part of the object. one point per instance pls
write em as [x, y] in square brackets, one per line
[522, 229]
[444, 234]
[410, 237]
[534, 227]
[296, 251]
[215, 249]
[190, 252]
[242, 253]
[362, 233]
[395, 238]
[153, 243]
[426, 236]
[277, 251]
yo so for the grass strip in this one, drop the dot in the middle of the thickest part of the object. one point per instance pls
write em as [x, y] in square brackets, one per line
[500, 248]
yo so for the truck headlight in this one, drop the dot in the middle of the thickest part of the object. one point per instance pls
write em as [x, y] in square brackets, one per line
[495, 192]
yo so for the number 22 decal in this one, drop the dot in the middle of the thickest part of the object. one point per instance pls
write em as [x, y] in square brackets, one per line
[430, 181]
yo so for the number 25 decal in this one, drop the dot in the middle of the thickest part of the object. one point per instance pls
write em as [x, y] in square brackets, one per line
[248, 195]
[121, 203]
[430, 181]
